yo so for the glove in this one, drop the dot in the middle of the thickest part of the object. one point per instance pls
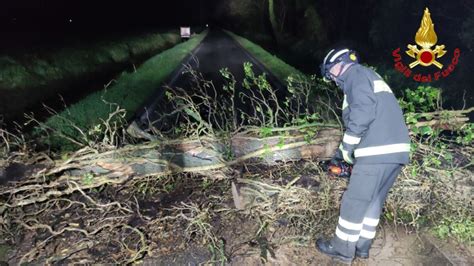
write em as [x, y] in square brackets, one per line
[347, 152]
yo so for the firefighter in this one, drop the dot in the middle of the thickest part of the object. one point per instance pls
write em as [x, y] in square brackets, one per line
[375, 141]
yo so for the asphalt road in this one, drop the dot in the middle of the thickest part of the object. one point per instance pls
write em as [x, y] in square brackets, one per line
[217, 50]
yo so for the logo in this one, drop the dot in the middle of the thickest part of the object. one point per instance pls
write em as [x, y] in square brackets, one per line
[426, 38]
[424, 55]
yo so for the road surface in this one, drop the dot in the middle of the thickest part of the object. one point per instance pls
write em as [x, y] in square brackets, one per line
[217, 50]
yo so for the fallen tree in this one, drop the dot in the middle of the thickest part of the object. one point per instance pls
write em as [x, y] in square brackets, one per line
[87, 169]
[65, 187]
[91, 195]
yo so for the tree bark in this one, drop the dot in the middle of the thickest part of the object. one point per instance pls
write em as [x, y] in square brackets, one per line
[87, 169]
[206, 154]
[273, 21]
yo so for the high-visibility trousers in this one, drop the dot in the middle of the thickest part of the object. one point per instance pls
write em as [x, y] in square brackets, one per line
[362, 205]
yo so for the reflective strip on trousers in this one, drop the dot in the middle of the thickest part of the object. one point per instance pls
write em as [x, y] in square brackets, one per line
[384, 149]
[370, 221]
[346, 237]
[348, 225]
[367, 234]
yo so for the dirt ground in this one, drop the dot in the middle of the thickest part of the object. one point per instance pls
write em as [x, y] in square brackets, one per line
[393, 246]
[282, 244]
[191, 220]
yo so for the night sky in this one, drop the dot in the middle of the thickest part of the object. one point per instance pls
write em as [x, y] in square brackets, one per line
[365, 25]
[59, 15]
[55, 23]
[304, 30]
[343, 19]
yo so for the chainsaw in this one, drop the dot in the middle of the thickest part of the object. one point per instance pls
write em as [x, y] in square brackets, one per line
[338, 168]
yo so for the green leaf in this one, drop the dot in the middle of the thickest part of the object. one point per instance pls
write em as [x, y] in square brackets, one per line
[426, 130]
[265, 131]
[281, 143]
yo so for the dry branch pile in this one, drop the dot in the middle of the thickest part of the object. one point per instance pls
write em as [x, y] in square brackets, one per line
[118, 202]
[91, 198]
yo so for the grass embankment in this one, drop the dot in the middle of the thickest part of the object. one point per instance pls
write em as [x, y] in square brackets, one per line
[35, 75]
[277, 66]
[129, 92]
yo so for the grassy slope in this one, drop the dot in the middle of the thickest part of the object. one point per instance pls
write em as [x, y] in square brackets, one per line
[36, 75]
[277, 66]
[129, 92]
[22, 71]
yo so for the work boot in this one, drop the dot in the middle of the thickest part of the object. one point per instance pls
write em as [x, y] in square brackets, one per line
[325, 247]
[363, 254]
[362, 248]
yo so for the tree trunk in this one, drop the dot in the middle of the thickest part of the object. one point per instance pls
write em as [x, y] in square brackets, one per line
[87, 169]
[206, 154]
[273, 21]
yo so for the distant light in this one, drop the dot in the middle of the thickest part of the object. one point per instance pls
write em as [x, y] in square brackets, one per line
[185, 32]
[207, 25]
[70, 20]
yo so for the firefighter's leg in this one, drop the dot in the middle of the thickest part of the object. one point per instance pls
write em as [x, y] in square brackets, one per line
[372, 215]
[363, 186]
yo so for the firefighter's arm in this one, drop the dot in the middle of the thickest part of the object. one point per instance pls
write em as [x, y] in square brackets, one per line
[362, 103]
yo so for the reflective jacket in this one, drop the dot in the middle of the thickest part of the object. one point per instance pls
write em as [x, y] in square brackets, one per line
[372, 117]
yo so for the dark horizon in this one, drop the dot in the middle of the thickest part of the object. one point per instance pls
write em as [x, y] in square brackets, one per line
[51, 24]
[302, 32]
[96, 16]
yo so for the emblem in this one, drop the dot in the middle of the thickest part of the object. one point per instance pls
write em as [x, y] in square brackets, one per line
[426, 38]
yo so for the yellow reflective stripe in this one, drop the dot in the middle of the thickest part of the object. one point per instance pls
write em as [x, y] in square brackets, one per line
[381, 86]
[348, 225]
[346, 237]
[370, 221]
[350, 139]
[345, 104]
[367, 234]
[383, 149]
